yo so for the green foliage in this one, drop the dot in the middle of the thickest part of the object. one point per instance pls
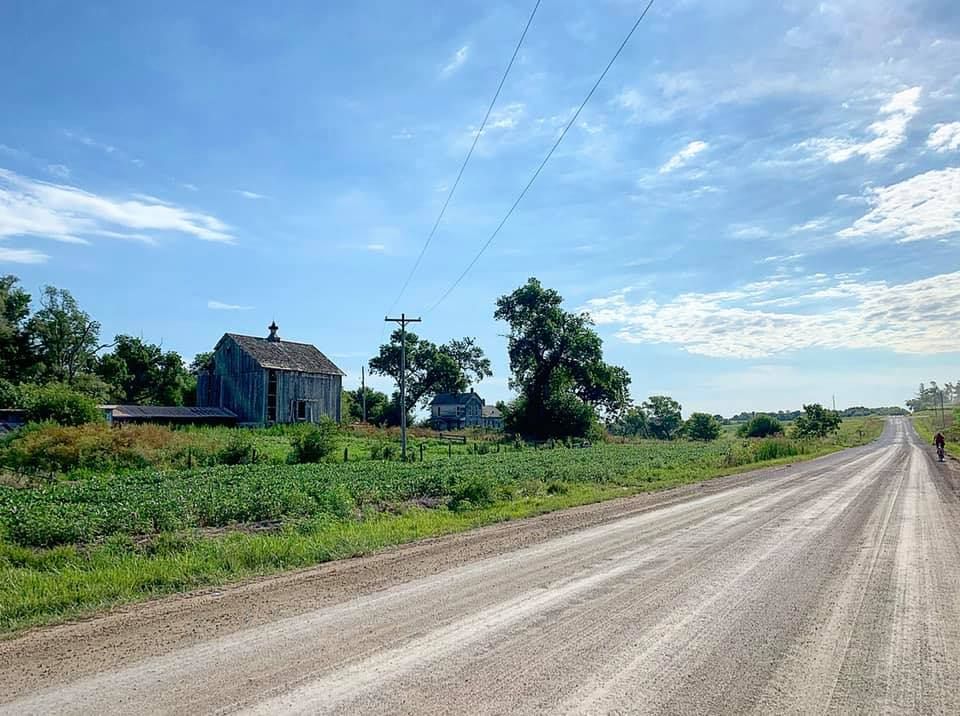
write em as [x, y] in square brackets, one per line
[557, 366]
[378, 406]
[142, 374]
[665, 418]
[702, 426]
[816, 422]
[60, 403]
[315, 442]
[16, 350]
[66, 338]
[431, 369]
[239, 450]
[760, 426]
[634, 423]
[9, 395]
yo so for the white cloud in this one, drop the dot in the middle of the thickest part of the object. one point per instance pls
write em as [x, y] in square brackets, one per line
[59, 170]
[378, 248]
[683, 156]
[67, 213]
[918, 317]
[190, 187]
[221, 306]
[945, 137]
[21, 256]
[89, 142]
[925, 206]
[888, 133]
[250, 194]
[780, 259]
[747, 231]
[459, 57]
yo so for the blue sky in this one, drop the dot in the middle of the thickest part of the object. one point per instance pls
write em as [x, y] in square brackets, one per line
[760, 205]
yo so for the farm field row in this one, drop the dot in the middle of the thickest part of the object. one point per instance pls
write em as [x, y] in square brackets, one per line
[72, 547]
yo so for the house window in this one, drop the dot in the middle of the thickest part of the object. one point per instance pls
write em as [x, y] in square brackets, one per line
[301, 410]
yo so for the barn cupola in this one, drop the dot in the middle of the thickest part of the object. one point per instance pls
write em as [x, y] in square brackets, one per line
[273, 337]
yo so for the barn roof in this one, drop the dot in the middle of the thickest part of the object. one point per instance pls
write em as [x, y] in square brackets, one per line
[490, 411]
[286, 355]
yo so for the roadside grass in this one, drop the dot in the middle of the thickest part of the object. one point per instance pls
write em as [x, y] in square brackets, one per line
[928, 422]
[69, 579]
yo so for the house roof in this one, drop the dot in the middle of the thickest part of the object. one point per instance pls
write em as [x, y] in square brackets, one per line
[166, 412]
[490, 411]
[454, 398]
[286, 355]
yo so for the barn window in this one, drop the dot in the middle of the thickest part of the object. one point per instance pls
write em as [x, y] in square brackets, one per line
[301, 410]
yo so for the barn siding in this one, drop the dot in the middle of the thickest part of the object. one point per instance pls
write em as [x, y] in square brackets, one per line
[321, 391]
[239, 384]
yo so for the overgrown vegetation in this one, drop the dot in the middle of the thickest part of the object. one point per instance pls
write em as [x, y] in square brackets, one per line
[69, 546]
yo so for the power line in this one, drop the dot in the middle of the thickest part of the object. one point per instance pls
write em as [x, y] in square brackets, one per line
[466, 160]
[545, 159]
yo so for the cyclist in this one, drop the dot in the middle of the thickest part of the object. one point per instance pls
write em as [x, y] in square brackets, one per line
[940, 442]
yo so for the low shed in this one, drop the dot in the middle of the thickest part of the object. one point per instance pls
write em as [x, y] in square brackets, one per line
[167, 415]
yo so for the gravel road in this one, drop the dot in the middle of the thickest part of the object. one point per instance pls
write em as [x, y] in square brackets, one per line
[828, 586]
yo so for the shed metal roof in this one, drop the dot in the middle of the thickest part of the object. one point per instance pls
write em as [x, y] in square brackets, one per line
[286, 355]
[160, 412]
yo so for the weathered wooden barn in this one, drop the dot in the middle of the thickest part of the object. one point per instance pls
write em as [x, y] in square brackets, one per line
[265, 381]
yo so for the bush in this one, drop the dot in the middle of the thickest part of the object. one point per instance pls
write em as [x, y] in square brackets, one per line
[239, 450]
[702, 426]
[817, 422]
[760, 426]
[476, 491]
[315, 442]
[60, 403]
[9, 395]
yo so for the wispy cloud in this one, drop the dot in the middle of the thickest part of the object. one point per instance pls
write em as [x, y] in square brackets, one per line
[888, 133]
[67, 213]
[780, 259]
[21, 256]
[945, 138]
[59, 170]
[89, 141]
[190, 187]
[378, 248]
[683, 156]
[456, 62]
[221, 306]
[925, 206]
[917, 317]
[250, 194]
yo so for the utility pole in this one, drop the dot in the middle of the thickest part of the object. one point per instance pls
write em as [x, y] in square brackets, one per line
[403, 321]
[363, 390]
[834, 403]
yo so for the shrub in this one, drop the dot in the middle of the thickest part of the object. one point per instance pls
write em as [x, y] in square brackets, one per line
[475, 491]
[315, 442]
[760, 426]
[9, 395]
[774, 449]
[817, 422]
[239, 450]
[702, 426]
[60, 403]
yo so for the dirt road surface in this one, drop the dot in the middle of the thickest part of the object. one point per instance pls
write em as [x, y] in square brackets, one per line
[832, 586]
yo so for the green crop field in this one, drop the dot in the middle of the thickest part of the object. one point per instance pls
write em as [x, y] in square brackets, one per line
[70, 546]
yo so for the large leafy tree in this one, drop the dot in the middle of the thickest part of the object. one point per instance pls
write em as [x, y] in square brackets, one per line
[142, 373]
[702, 426]
[66, 340]
[431, 369]
[378, 406]
[556, 364]
[817, 422]
[16, 352]
[665, 417]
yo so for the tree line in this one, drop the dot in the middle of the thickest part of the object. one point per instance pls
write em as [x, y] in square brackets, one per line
[51, 349]
[931, 396]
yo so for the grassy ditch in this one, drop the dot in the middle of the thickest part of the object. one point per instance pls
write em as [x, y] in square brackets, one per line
[70, 548]
[928, 422]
